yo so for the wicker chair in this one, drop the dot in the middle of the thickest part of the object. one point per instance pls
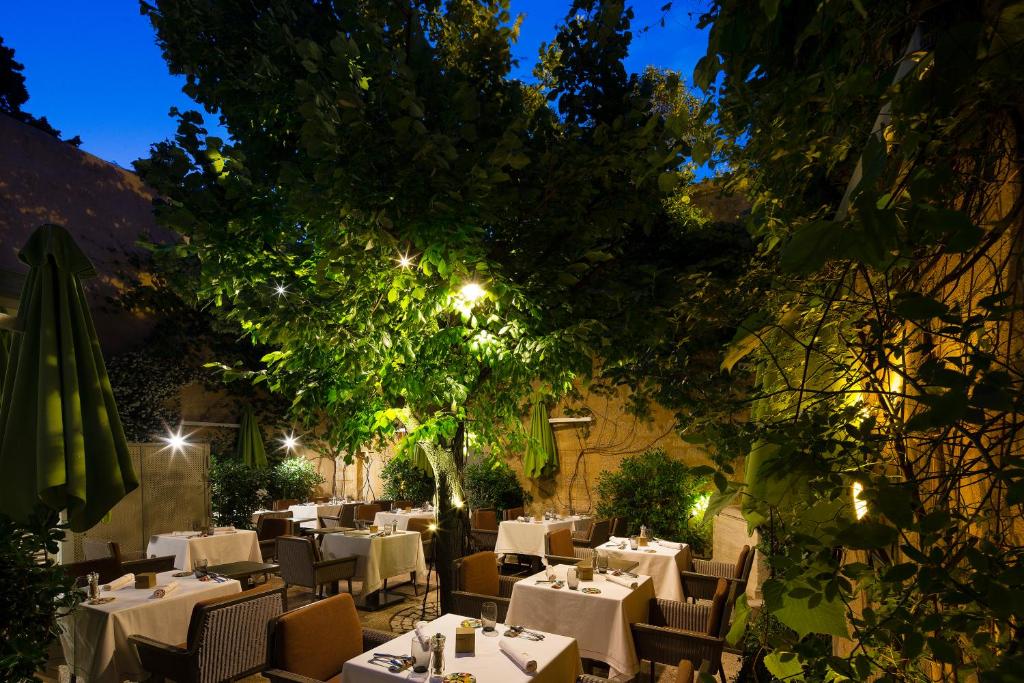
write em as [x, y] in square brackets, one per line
[595, 536]
[283, 504]
[483, 532]
[366, 513]
[681, 630]
[619, 527]
[312, 643]
[302, 565]
[226, 640]
[684, 673]
[401, 504]
[347, 514]
[331, 521]
[514, 513]
[97, 549]
[700, 582]
[478, 581]
[268, 530]
[384, 503]
[109, 568]
[164, 563]
[559, 548]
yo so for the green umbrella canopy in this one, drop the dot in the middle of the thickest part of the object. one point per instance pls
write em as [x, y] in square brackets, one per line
[541, 458]
[250, 442]
[61, 440]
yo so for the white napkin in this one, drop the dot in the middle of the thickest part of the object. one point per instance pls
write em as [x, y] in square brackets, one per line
[223, 529]
[422, 633]
[627, 581]
[119, 583]
[164, 590]
[671, 544]
[521, 659]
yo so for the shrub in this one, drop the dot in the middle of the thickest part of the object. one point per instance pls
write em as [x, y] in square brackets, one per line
[295, 478]
[36, 594]
[680, 496]
[493, 484]
[405, 481]
[237, 490]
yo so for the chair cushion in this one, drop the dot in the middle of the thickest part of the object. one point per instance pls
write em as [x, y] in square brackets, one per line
[478, 573]
[718, 607]
[485, 519]
[317, 640]
[684, 673]
[560, 543]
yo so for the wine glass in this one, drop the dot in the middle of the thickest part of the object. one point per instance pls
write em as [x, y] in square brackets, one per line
[489, 616]
[634, 542]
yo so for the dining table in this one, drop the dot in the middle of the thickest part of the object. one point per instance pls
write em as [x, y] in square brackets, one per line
[557, 657]
[599, 617]
[402, 517]
[661, 560]
[309, 514]
[94, 638]
[527, 537]
[379, 557]
[222, 546]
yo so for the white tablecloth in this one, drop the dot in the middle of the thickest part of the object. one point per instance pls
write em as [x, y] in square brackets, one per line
[558, 658]
[222, 547]
[95, 637]
[599, 623]
[526, 538]
[662, 565]
[313, 512]
[380, 557]
[382, 519]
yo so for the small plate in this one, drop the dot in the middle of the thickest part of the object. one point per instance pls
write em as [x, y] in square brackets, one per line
[590, 590]
[471, 623]
[459, 678]
[650, 550]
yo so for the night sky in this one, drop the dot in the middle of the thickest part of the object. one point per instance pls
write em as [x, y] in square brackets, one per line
[94, 70]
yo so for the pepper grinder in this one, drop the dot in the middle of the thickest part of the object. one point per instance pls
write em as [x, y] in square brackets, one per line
[437, 655]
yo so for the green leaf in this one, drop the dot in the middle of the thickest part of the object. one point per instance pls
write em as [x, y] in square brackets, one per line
[916, 306]
[740, 616]
[667, 182]
[811, 246]
[868, 534]
[784, 665]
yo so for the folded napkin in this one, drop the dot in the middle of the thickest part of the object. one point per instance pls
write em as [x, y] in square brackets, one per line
[422, 633]
[521, 659]
[164, 590]
[119, 583]
[671, 544]
[627, 581]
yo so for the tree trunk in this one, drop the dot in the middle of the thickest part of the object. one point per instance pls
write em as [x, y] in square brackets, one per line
[452, 536]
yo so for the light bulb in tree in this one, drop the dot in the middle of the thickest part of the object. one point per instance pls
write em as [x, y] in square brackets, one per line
[280, 290]
[290, 442]
[471, 291]
[405, 260]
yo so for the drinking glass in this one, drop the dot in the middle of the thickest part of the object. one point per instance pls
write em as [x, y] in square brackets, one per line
[200, 566]
[572, 578]
[420, 654]
[602, 564]
[489, 616]
[634, 542]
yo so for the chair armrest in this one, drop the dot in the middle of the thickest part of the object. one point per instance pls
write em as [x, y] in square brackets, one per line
[156, 565]
[349, 559]
[160, 658]
[505, 585]
[699, 586]
[279, 676]
[669, 645]
[561, 559]
[373, 638]
[683, 616]
[331, 570]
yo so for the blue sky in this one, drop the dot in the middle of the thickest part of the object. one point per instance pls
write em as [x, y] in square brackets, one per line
[93, 68]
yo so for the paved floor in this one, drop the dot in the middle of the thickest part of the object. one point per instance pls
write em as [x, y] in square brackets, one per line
[399, 619]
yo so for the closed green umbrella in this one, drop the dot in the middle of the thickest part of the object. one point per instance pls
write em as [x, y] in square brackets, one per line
[250, 442]
[61, 440]
[541, 458]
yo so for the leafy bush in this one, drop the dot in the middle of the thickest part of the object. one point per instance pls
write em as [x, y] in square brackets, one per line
[654, 476]
[405, 481]
[237, 490]
[36, 594]
[295, 478]
[493, 484]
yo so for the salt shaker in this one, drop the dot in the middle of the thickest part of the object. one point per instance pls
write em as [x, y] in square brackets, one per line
[437, 654]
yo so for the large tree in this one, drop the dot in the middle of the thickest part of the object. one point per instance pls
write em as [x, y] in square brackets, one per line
[423, 239]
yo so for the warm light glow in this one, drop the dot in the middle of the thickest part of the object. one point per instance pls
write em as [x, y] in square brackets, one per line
[280, 290]
[471, 291]
[860, 506]
[458, 502]
[432, 527]
[406, 260]
[290, 441]
[700, 506]
[895, 382]
[176, 441]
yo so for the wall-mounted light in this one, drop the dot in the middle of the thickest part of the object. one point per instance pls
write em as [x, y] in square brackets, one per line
[176, 441]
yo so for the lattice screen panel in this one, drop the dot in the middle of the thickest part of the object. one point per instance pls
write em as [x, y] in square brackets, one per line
[173, 495]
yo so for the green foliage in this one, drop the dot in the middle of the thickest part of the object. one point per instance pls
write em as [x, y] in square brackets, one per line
[403, 480]
[493, 484]
[294, 478]
[237, 490]
[871, 341]
[37, 594]
[654, 476]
